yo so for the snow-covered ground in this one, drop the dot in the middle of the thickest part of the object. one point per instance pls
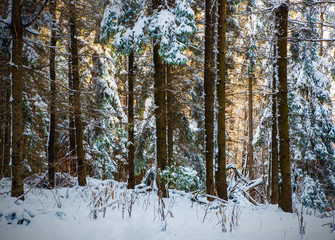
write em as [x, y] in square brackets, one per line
[78, 213]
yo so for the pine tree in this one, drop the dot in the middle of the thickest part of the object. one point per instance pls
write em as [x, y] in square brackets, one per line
[169, 114]
[221, 95]
[285, 197]
[251, 56]
[5, 81]
[170, 39]
[76, 98]
[127, 30]
[312, 129]
[17, 94]
[209, 96]
[52, 72]
[274, 132]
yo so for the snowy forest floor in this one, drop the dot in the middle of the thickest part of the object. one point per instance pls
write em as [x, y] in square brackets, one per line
[102, 210]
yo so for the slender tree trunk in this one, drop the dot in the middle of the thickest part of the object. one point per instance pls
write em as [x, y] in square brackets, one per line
[221, 95]
[250, 126]
[244, 150]
[17, 93]
[169, 107]
[251, 78]
[7, 140]
[160, 114]
[269, 180]
[52, 72]
[2, 122]
[72, 133]
[160, 111]
[131, 147]
[4, 59]
[285, 199]
[6, 113]
[76, 97]
[274, 135]
[104, 169]
[209, 97]
[321, 30]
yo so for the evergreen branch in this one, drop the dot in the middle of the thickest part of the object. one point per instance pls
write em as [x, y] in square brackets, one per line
[312, 40]
[37, 13]
[6, 23]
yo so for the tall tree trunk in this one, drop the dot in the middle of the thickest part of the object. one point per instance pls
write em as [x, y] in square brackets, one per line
[251, 78]
[285, 198]
[321, 30]
[209, 82]
[4, 59]
[160, 111]
[131, 142]
[17, 93]
[5, 81]
[160, 115]
[221, 95]
[76, 97]
[2, 120]
[7, 135]
[72, 133]
[274, 135]
[169, 108]
[250, 126]
[52, 72]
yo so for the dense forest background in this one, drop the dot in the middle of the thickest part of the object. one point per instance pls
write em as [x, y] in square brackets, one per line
[174, 94]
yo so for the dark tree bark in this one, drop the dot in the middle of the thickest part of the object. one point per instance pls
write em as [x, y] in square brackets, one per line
[321, 30]
[221, 95]
[5, 113]
[4, 75]
[160, 116]
[17, 93]
[76, 97]
[72, 133]
[3, 103]
[2, 133]
[250, 126]
[285, 198]
[169, 108]
[160, 111]
[274, 135]
[209, 82]
[131, 147]
[7, 131]
[52, 72]
[251, 79]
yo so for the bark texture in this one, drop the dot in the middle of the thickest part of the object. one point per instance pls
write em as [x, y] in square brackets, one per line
[274, 135]
[52, 73]
[160, 115]
[5, 112]
[209, 82]
[221, 95]
[169, 108]
[131, 147]
[72, 162]
[285, 199]
[160, 111]
[17, 93]
[76, 97]
[250, 126]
